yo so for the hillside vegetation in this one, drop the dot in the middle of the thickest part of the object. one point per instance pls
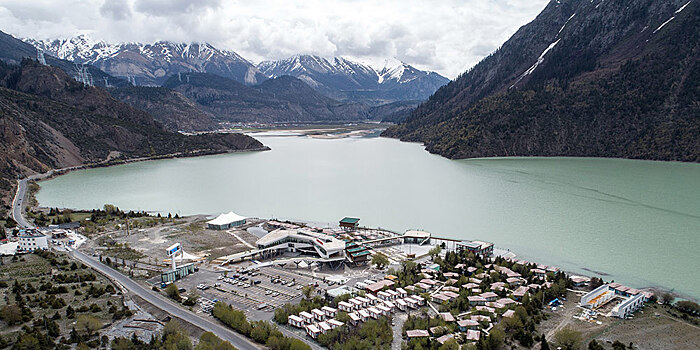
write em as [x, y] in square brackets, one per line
[603, 79]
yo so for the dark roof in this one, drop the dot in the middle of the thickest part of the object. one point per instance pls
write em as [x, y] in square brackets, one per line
[347, 220]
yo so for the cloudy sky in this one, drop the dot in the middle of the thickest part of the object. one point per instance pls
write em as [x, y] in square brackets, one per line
[447, 36]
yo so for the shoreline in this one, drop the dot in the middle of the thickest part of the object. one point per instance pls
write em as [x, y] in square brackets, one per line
[581, 269]
[110, 163]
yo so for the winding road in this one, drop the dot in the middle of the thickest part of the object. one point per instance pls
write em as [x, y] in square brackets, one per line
[155, 299]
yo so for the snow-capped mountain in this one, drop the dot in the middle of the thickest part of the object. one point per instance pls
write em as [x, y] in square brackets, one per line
[152, 64]
[344, 79]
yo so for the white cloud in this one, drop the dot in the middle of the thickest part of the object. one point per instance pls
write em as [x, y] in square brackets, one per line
[447, 36]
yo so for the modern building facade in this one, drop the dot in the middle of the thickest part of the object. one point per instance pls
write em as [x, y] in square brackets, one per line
[476, 247]
[306, 242]
[30, 241]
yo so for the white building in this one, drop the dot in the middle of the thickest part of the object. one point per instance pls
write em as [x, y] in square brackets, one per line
[329, 311]
[295, 321]
[317, 244]
[629, 306]
[226, 221]
[29, 242]
[312, 331]
[345, 306]
[597, 297]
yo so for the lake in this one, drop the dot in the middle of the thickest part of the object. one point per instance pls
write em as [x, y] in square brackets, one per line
[637, 222]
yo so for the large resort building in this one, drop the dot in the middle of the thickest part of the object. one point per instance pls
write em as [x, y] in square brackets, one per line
[302, 241]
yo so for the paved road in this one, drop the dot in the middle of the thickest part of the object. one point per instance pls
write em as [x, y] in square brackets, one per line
[18, 204]
[166, 305]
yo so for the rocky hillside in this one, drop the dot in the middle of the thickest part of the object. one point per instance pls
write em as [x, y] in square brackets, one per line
[152, 64]
[345, 80]
[585, 78]
[48, 120]
[283, 99]
[172, 109]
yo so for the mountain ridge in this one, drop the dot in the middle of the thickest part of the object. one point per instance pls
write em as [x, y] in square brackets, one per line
[345, 80]
[585, 78]
[153, 63]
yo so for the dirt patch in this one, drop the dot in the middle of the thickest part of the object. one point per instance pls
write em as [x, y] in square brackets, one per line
[653, 327]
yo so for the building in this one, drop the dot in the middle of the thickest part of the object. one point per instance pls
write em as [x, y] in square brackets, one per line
[364, 315]
[465, 325]
[476, 247]
[318, 315]
[335, 323]
[348, 223]
[417, 333]
[475, 300]
[342, 290]
[447, 317]
[329, 311]
[301, 241]
[473, 335]
[226, 221]
[445, 338]
[489, 296]
[376, 287]
[295, 321]
[30, 241]
[354, 318]
[345, 306]
[313, 331]
[358, 254]
[416, 237]
[597, 297]
[307, 317]
[629, 306]
[508, 314]
[374, 312]
[171, 276]
[324, 327]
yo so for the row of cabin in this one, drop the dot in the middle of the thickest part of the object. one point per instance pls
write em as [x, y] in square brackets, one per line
[385, 308]
[359, 302]
[316, 329]
[308, 318]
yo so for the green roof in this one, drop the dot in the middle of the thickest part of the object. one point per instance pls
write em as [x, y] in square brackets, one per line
[350, 220]
[354, 255]
[353, 250]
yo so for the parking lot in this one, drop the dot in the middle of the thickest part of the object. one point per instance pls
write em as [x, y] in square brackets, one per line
[257, 293]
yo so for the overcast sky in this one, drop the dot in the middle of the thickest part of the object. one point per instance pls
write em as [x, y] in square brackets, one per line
[447, 36]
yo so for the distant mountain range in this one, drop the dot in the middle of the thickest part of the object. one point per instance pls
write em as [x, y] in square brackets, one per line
[343, 79]
[338, 78]
[585, 78]
[152, 64]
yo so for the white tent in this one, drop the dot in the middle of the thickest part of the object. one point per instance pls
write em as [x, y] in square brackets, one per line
[225, 221]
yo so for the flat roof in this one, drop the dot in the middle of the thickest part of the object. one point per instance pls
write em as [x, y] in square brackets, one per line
[349, 220]
[416, 333]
